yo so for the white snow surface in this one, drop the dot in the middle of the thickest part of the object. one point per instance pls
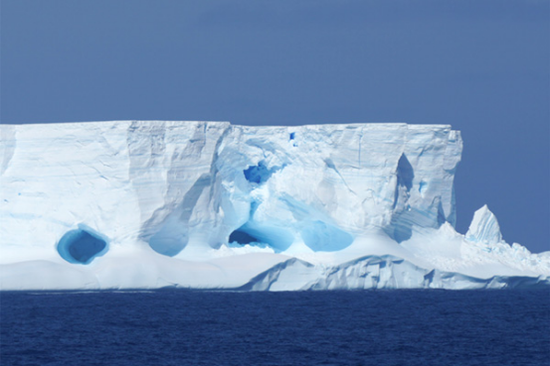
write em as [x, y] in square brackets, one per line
[210, 205]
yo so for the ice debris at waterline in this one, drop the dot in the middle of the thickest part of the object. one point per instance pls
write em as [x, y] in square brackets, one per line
[141, 204]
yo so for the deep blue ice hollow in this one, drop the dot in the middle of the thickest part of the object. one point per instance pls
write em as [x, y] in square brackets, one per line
[81, 246]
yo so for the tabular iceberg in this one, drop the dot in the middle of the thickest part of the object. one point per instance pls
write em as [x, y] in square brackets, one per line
[210, 205]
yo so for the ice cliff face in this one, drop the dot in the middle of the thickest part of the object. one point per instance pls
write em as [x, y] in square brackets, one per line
[136, 204]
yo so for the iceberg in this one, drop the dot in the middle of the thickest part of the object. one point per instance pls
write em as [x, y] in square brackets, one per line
[211, 205]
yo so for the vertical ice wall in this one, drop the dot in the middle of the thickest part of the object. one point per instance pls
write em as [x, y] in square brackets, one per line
[167, 186]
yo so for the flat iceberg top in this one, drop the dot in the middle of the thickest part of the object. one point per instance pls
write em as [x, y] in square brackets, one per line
[147, 204]
[129, 122]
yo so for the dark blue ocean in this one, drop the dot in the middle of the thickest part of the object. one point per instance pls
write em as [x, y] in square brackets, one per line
[171, 327]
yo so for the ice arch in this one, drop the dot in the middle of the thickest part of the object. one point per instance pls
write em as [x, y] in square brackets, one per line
[81, 246]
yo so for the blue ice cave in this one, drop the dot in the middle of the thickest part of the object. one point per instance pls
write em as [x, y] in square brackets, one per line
[400, 228]
[81, 246]
[276, 237]
[405, 173]
[242, 237]
[258, 173]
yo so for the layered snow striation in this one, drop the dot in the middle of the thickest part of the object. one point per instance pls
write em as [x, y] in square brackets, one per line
[147, 204]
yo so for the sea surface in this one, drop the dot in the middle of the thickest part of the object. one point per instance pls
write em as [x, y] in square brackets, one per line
[181, 327]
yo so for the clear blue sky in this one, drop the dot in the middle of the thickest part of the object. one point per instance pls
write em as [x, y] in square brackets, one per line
[481, 66]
